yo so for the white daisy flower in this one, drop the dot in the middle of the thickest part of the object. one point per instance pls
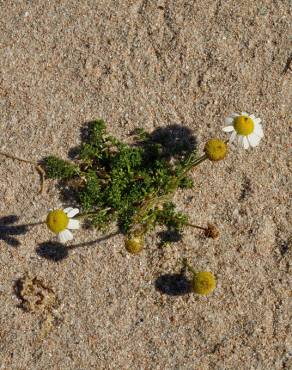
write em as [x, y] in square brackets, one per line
[246, 127]
[61, 221]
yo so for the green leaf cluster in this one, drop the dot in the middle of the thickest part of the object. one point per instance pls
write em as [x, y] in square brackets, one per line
[129, 184]
[59, 169]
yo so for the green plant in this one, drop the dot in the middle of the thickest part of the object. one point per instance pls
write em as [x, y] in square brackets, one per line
[132, 185]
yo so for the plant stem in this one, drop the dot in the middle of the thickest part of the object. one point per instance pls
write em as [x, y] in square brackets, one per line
[186, 264]
[155, 200]
[17, 158]
[192, 165]
[83, 215]
[35, 164]
[196, 226]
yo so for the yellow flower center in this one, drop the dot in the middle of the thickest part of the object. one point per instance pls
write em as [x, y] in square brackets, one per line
[57, 221]
[243, 125]
[204, 283]
[215, 149]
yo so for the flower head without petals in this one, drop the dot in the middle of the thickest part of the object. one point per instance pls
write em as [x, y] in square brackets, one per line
[204, 282]
[134, 245]
[215, 149]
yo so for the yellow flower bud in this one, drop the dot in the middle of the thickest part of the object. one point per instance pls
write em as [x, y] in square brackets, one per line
[135, 244]
[215, 149]
[204, 282]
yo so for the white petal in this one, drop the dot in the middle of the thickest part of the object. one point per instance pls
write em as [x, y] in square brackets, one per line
[232, 137]
[258, 130]
[67, 210]
[73, 212]
[253, 140]
[73, 224]
[252, 116]
[229, 120]
[245, 143]
[239, 139]
[65, 236]
[228, 128]
[234, 115]
[244, 114]
[257, 120]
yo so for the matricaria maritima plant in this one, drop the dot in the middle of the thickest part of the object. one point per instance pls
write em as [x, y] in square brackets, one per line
[133, 185]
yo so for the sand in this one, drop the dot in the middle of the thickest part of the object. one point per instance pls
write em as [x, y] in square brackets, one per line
[150, 64]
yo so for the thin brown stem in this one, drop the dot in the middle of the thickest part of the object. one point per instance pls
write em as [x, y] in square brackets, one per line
[39, 169]
[17, 158]
[211, 230]
[196, 226]
[42, 174]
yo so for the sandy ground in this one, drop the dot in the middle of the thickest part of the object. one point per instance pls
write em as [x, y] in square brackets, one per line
[152, 64]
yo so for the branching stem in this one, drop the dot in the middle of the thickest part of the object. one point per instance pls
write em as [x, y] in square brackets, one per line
[156, 200]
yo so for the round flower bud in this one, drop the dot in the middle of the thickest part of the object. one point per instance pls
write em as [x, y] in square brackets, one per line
[134, 244]
[215, 149]
[204, 282]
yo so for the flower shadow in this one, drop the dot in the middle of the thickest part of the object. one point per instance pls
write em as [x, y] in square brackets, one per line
[52, 251]
[176, 140]
[8, 230]
[173, 284]
[169, 236]
[56, 252]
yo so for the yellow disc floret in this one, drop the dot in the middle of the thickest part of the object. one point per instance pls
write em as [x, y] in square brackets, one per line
[216, 149]
[243, 125]
[57, 221]
[204, 282]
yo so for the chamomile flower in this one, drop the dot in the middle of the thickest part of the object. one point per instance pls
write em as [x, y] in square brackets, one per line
[60, 222]
[247, 128]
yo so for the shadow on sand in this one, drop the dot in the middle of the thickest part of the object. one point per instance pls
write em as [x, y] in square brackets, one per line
[55, 251]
